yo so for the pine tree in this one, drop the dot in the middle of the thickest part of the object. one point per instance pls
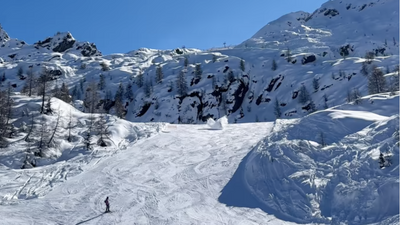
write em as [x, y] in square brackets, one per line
[214, 58]
[102, 82]
[20, 73]
[63, 93]
[83, 80]
[102, 130]
[364, 69]
[369, 57]
[120, 93]
[148, 88]
[186, 62]
[159, 75]
[242, 66]
[119, 106]
[315, 84]
[325, 101]
[394, 84]
[313, 108]
[231, 76]
[140, 79]
[129, 92]
[304, 96]
[387, 70]
[214, 82]
[3, 77]
[274, 66]
[288, 55]
[277, 109]
[76, 93]
[91, 98]
[181, 84]
[376, 81]
[198, 72]
[322, 139]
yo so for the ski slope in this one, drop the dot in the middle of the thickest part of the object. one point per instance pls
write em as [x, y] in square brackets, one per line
[174, 177]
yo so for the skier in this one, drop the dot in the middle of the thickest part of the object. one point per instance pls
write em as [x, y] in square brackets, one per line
[107, 205]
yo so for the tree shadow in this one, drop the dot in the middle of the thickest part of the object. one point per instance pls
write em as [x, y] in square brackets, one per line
[90, 219]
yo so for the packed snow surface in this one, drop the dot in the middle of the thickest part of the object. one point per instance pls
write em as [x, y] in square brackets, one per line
[169, 178]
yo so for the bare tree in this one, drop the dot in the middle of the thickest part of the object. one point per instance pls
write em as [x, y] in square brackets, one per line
[376, 81]
[44, 79]
[91, 98]
[51, 140]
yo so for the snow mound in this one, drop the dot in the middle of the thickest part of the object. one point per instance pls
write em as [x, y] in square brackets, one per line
[328, 171]
[220, 124]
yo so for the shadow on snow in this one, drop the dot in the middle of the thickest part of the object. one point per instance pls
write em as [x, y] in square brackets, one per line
[236, 194]
[85, 221]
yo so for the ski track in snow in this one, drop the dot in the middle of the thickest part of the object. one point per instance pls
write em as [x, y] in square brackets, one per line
[172, 178]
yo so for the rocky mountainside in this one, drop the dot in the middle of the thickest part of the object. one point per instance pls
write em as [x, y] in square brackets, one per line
[322, 52]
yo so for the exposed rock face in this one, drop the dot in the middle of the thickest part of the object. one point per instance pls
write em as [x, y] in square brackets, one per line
[308, 59]
[65, 42]
[88, 49]
[3, 35]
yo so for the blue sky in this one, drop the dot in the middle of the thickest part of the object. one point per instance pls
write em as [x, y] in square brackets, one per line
[120, 26]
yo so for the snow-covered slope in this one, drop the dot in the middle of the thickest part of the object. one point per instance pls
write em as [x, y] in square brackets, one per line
[328, 45]
[325, 167]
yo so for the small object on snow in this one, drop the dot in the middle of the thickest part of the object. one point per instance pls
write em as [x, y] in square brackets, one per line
[220, 124]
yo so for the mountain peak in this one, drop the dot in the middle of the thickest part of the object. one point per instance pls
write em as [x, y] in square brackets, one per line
[3, 35]
[64, 41]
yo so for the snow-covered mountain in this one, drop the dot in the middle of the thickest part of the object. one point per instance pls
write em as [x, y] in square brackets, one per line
[331, 159]
[328, 45]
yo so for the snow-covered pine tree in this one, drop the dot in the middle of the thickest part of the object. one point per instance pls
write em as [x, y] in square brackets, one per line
[148, 88]
[242, 65]
[181, 84]
[274, 66]
[198, 72]
[304, 96]
[140, 79]
[102, 82]
[129, 92]
[315, 84]
[159, 74]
